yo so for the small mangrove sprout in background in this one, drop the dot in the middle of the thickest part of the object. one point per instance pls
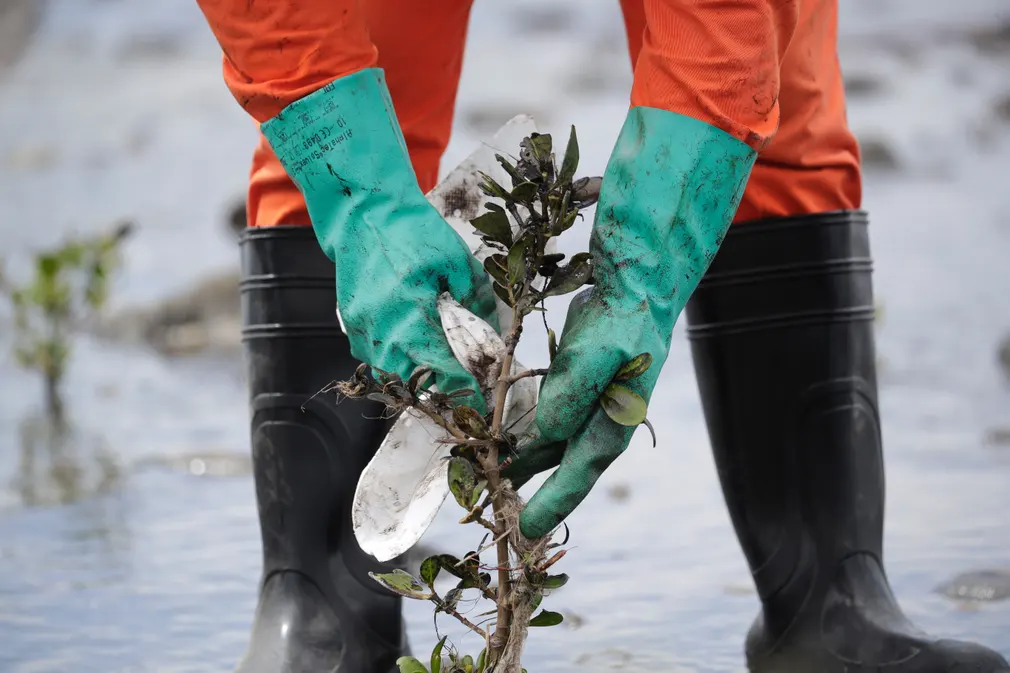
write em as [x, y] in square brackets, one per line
[543, 202]
[68, 288]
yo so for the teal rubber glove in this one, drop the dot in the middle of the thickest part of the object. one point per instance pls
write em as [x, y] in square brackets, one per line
[669, 193]
[394, 252]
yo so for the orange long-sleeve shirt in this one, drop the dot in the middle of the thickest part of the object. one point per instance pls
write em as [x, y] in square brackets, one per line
[714, 60]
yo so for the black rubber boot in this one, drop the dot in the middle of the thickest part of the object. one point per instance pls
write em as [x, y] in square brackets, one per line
[318, 610]
[783, 344]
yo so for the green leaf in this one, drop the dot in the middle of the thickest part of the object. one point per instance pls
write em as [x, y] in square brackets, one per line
[495, 225]
[436, 655]
[552, 344]
[411, 665]
[478, 490]
[496, 267]
[493, 189]
[481, 661]
[556, 581]
[571, 276]
[471, 422]
[571, 161]
[623, 405]
[517, 261]
[510, 169]
[565, 222]
[547, 618]
[462, 481]
[429, 570]
[467, 663]
[537, 600]
[634, 367]
[525, 192]
[402, 583]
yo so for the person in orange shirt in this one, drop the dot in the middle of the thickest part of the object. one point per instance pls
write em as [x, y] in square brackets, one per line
[737, 115]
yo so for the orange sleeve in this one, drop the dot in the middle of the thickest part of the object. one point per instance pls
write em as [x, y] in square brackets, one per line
[716, 61]
[277, 51]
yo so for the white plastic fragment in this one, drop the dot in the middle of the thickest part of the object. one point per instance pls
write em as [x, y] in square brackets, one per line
[404, 485]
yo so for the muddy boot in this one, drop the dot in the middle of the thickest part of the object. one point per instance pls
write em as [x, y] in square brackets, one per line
[318, 611]
[783, 344]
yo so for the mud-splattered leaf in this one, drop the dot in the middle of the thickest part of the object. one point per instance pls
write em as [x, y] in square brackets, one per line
[497, 267]
[411, 665]
[542, 144]
[552, 344]
[510, 169]
[634, 367]
[525, 192]
[586, 191]
[571, 160]
[418, 378]
[436, 655]
[388, 400]
[402, 583]
[555, 581]
[429, 570]
[571, 276]
[452, 597]
[495, 224]
[547, 618]
[462, 481]
[493, 189]
[623, 405]
[471, 422]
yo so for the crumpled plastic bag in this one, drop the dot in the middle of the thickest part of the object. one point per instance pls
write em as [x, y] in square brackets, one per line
[402, 488]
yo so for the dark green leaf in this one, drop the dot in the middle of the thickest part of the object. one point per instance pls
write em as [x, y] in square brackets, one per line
[517, 261]
[503, 294]
[571, 276]
[471, 422]
[496, 267]
[571, 161]
[411, 665]
[565, 222]
[537, 600]
[462, 481]
[547, 618]
[510, 169]
[429, 570]
[493, 189]
[552, 344]
[402, 583]
[556, 581]
[525, 192]
[495, 224]
[436, 655]
[623, 405]
[634, 367]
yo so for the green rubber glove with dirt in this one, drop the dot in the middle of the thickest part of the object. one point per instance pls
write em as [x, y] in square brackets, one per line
[394, 252]
[669, 193]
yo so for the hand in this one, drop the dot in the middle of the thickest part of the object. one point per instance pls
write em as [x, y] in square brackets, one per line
[394, 253]
[669, 193]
